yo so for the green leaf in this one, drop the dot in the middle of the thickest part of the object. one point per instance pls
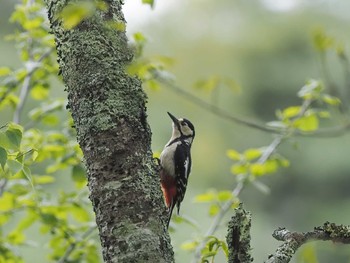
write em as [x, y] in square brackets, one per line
[153, 84]
[271, 166]
[3, 157]
[44, 179]
[214, 209]
[252, 154]
[307, 123]
[35, 154]
[79, 213]
[117, 25]
[234, 155]
[4, 71]
[7, 201]
[14, 136]
[239, 169]
[205, 198]
[322, 42]
[189, 245]
[208, 84]
[27, 221]
[324, 114]
[209, 254]
[16, 238]
[224, 248]
[49, 219]
[4, 218]
[50, 120]
[283, 162]
[334, 101]
[139, 37]
[76, 12]
[290, 112]
[79, 176]
[92, 255]
[31, 24]
[308, 254]
[39, 92]
[14, 166]
[28, 174]
[211, 244]
[258, 169]
[148, 2]
[224, 196]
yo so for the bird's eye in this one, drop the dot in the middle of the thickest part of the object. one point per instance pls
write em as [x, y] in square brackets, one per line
[183, 123]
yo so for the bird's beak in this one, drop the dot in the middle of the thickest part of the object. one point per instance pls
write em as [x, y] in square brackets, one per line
[175, 120]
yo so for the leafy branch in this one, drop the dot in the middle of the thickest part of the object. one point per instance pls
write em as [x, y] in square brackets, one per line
[292, 119]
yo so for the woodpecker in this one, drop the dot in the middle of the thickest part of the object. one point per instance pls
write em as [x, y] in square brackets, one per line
[175, 162]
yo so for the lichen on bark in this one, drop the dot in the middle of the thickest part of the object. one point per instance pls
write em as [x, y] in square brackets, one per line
[109, 113]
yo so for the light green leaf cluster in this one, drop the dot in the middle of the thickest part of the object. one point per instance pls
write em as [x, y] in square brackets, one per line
[216, 199]
[75, 12]
[322, 42]
[212, 247]
[146, 68]
[248, 164]
[38, 147]
[304, 117]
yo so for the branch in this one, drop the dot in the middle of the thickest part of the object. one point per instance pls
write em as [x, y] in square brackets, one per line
[321, 133]
[238, 237]
[31, 67]
[235, 193]
[210, 107]
[3, 184]
[71, 248]
[293, 240]
[263, 158]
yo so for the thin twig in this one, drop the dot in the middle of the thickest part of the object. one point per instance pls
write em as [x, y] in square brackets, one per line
[31, 67]
[320, 133]
[31, 70]
[22, 98]
[210, 107]
[3, 184]
[71, 248]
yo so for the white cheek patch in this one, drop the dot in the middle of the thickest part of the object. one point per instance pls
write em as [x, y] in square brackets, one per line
[186, 130]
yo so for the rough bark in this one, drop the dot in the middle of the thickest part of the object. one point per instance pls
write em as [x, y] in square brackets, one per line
[108, 109]
[238, 236]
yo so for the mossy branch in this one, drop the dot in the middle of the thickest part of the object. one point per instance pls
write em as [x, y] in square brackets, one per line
[293, 240]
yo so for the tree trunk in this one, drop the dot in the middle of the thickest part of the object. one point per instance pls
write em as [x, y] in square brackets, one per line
[109, 113]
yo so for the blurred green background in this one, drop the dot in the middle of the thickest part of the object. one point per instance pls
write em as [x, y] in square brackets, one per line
[266, 47]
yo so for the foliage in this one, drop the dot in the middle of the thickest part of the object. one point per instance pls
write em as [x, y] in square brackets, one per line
[37, 145]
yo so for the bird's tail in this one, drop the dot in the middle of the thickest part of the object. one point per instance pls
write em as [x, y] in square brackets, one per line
[171, 208]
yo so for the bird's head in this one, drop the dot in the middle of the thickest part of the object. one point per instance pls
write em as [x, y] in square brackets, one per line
[182, 128]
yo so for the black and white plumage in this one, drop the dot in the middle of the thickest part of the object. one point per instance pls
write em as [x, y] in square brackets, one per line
[175, 161]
